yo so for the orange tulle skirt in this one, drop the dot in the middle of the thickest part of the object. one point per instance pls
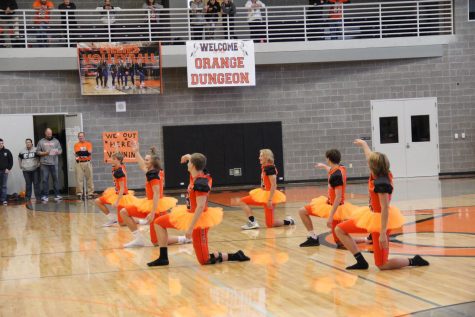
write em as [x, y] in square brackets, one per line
[371, 221]
[109, 196]
[320, 208]
[262, 196]
[145, 205]
[181, 218]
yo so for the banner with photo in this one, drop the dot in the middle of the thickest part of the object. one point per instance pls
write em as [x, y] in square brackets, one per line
[120, 68]
[226, 63]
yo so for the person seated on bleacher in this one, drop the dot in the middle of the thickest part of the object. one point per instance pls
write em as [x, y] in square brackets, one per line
[197, 19]
[108, 7]
[212, 15]
[42, 19]
[8, 20]
[228, 12]
[68, 22]
[154, 8]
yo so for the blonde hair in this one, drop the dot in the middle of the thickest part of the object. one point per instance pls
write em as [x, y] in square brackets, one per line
[118, 156]
[199, 161]
[379, 164]
[268, 155]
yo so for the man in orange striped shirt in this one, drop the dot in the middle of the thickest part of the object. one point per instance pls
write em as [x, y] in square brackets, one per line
[83, 152]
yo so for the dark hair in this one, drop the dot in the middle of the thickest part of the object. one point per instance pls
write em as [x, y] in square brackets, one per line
[334, 156]
[81, 133]
[155, 159]
[29, 140]
[1, 140]
[199, 161]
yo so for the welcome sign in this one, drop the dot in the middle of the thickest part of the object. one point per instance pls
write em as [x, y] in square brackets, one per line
[227, 63]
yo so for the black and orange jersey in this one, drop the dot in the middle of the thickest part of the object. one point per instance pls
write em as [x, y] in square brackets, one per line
[336, 11]
[379, 185]
[266, 171]
[336, 178]
[199, 186]
[83, 151]
[153, 178]
[119, 175]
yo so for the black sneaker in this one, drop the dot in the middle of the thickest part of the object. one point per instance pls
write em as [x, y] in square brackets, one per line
[311, 242]
[242, 256]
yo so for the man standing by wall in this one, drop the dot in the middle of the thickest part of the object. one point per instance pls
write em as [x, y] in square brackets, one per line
[29, 164]
[83, 151]
[49, 149]
[6, 164]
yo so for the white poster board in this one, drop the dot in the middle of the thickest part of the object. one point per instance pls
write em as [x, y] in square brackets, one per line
[226, 63]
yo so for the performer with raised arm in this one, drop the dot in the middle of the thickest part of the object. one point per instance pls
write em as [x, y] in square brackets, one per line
[153, 205]
[379, 218]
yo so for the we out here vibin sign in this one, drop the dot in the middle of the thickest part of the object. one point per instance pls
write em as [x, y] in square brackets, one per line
[226, 63]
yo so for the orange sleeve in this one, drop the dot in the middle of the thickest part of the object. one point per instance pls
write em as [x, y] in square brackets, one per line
[154, 182]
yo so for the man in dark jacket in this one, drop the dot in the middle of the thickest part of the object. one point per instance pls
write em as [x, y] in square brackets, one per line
[8, 19]
[228, 12]
[6, 164]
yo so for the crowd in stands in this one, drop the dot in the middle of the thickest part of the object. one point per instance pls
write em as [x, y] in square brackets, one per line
[208, 19]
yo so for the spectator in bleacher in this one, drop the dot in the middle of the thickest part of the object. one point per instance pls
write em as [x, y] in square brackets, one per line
[42, 18]
[29, 164]
[228, 12]
[70, 20]
[254, 19]
[8, 21]
[108, 7]
[212, 15]
[6, 164]
[154, 17]
[336, 15]
[317, 16]
[197, 19]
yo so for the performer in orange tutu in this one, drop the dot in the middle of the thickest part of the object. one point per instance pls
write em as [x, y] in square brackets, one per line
[267, 196]
[153, 205]
[378, 219]
[117, 196]
[195, 218]
[333, 207]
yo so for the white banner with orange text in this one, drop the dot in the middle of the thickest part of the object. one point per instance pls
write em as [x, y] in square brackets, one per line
[226, 63]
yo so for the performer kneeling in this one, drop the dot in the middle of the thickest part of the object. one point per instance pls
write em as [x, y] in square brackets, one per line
[378, 219]
[267, 196]
[153, 205]
[196, 217]
[119, 196]
[333, 207]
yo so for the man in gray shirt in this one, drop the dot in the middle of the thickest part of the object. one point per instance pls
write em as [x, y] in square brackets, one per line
[29, 163]
[49, 149]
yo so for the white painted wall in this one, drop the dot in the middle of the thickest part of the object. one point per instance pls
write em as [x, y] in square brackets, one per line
[14, 129]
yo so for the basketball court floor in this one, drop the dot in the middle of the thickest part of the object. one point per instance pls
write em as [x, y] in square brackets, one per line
[57, 260]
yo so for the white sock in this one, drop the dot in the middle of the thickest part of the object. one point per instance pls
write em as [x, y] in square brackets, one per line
[181, 239]
[111, 216]
[312, 234]
[136, 234]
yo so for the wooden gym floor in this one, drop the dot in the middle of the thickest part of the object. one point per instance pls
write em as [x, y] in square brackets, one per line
[57, 260]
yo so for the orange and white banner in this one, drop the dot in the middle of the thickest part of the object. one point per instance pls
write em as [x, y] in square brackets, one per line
[119, 141]
[224, 63]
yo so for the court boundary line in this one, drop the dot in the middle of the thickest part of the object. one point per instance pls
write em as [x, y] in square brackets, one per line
[434, 308]
[379, 284]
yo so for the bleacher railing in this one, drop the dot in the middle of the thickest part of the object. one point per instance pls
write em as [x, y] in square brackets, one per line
[389, 19]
